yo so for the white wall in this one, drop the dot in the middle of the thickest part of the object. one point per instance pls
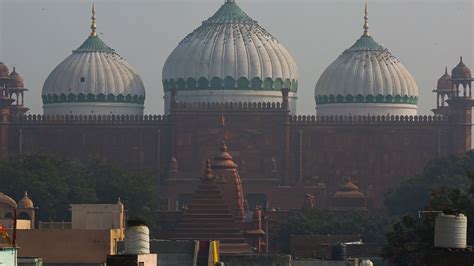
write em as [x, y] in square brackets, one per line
[93, 109]
[356, 109]
[231, 96]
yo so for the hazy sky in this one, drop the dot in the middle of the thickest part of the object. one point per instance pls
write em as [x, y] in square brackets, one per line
[36, 35]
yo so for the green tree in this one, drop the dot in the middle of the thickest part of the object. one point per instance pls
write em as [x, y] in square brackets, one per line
[55, 182]
[370, 225]
[413, 194]
[412, 237]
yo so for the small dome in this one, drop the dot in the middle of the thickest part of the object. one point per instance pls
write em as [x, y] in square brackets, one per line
[444, 82]
[4, 199]
[349, 190]
[17, 80]
[26, 202]
[4, 71]
[461, 71]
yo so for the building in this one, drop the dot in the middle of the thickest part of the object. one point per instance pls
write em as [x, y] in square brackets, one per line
[12, 86]
[93, 234]
[24, 210]
[282, 157]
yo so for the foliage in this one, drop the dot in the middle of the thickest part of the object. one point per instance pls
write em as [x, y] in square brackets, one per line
[445, 185]
[414, 235]
[414, 193]
[370, 225]
[55, 182]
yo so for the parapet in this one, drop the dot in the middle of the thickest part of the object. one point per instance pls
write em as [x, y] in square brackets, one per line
[234, 106]
[303, 120]
[91, 119]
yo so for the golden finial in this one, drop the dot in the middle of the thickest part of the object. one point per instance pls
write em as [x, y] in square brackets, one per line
[93, 25]
[366, 23]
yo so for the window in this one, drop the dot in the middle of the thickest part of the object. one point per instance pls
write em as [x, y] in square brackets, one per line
[83, 79]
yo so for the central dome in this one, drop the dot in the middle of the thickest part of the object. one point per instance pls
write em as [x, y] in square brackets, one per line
[230, 58]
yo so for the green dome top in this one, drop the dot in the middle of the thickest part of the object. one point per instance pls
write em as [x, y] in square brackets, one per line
[230, 12]
[94, 44]
[365, 43]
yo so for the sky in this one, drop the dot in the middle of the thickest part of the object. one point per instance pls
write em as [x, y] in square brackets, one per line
[426, 35]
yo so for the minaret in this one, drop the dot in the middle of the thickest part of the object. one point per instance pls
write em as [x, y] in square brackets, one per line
[5, 105]
[460, 113]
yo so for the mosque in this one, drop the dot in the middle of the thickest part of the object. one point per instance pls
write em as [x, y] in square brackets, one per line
[232, 80]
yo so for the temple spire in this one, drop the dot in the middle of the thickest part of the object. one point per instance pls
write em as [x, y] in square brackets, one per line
[366, 23]
[93, 25]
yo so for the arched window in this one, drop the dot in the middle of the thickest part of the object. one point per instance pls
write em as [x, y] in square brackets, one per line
[9, 215]
[24, 216]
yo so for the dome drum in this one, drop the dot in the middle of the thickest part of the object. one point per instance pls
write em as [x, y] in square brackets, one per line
[231, 96]
[95, 108]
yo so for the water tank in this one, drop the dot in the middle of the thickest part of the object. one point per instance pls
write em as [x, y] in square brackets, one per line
[450, 231]
[137, 238]
[366, 263]
[339, 252]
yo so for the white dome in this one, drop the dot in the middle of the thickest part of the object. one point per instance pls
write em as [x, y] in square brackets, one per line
[366, 79]
[93, 80]
[230, 57]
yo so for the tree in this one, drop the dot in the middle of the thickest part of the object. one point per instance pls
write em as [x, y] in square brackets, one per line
[413, 194]
[55, 182]
[370, 225]
[412, 237]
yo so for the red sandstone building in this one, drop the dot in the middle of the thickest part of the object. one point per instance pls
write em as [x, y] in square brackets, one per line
[285, 161]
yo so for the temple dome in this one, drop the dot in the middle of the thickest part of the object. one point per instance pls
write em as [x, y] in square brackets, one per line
[366, 79]
[4, 70]
[230, 57]
[444, 82]
[17, 81]
[94, 80]
[26, 202]
[461, 71]
[4, 199]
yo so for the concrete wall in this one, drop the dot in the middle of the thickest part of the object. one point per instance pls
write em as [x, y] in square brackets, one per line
[8, 257]
[68, 246]
[97, 216]
[20, 224]
[257, 260]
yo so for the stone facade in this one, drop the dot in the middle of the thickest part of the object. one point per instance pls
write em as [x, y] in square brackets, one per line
[281, 158]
